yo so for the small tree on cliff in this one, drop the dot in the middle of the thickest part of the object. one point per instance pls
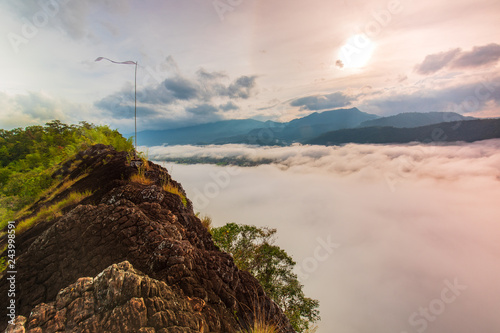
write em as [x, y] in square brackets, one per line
[253, 250]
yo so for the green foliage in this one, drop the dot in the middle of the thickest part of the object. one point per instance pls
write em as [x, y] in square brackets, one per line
[53, 211]
[253, 250]
[29, 156]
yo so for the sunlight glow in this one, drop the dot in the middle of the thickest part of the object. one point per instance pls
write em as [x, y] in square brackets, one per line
[356, 52]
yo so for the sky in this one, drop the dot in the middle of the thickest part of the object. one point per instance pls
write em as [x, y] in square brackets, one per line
[389, 238]
[409, 220]
[208, 60]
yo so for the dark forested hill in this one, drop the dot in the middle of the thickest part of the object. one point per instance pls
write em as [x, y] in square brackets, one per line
[467, 130]
[415, 119]
[199, 134]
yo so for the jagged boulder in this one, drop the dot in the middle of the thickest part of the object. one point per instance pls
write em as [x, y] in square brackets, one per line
[119, 299]
[145, 225]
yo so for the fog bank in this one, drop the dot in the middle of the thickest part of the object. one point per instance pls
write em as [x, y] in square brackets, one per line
[388, 238]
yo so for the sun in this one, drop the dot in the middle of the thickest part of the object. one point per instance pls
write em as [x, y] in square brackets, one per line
[356, 52]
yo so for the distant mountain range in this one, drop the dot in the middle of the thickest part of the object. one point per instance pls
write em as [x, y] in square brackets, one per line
[465, 130]
[301, 129]
[200, 134]
[415, 119]
[328, 127]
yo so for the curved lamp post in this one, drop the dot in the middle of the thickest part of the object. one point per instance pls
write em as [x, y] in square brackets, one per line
[129, 62]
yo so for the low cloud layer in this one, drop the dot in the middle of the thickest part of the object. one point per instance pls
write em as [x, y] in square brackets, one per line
[415, 228]
[371, 162]
[458, 59]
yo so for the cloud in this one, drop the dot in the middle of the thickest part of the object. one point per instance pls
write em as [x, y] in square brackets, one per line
[243, 87]
[121, 105]
[205, 75]
[70, 17]
[479, 56]
[466, 98]
[229, 106]
[435, 62]
[178, 99]
[402, 78]
[182, 88]
[202, 110]
[456, 58]
[121, 111]
[420, 161]
[323, 102]
[34, 108]
[407, 218]
[205, 87]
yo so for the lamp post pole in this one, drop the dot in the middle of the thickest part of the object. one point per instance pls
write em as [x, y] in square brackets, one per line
[129, 62]
[135, 106]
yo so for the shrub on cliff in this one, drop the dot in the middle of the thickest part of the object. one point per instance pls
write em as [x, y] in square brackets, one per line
[253, 251]
[28, 157]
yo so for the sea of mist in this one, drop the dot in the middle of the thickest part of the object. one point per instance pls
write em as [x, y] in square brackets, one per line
[389, 238]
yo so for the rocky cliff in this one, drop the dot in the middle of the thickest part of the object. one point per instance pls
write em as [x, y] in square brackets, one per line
[130, 257]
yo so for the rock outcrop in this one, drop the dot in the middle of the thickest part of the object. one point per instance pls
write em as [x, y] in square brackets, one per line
[119, 299]
[187, 284]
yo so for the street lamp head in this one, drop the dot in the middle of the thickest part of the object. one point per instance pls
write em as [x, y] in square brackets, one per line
[129, 62]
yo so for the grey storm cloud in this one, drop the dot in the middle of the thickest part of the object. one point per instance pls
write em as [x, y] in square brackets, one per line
[194, 94]
[456, 58]
[170, 91]
[182, 88]
[322, 102]
[205, 87]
